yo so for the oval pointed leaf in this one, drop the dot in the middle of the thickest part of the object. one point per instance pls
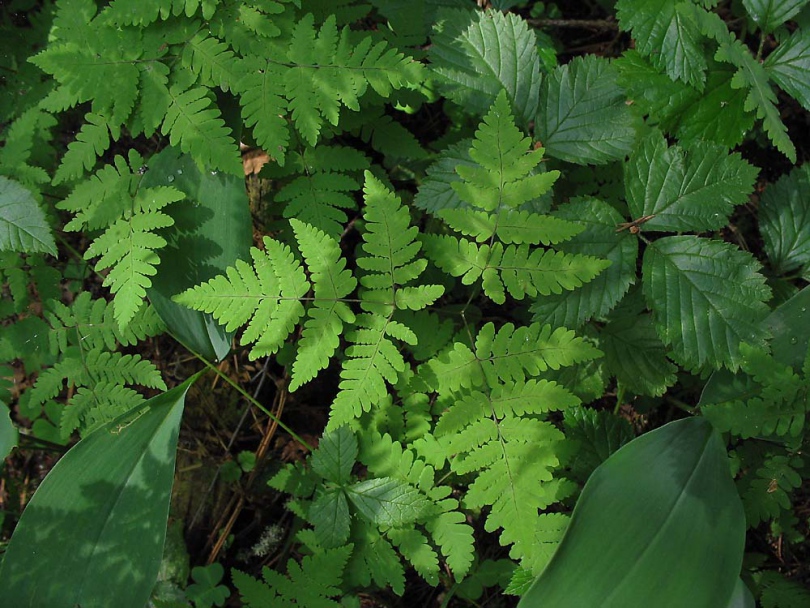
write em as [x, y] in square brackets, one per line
[784, 215]
[706, 297]
[22, 222]
[213, 229]
[95, 528]
[582, 117]
[664, 503]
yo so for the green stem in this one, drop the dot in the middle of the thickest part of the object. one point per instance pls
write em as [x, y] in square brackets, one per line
[250, 399]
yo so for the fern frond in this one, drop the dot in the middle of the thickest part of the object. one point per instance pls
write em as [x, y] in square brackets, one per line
[263, 107]
[761, 97]
[92, 141]
[108, 78]
[390, 259]
[312, 583]
[144, 12]
[517, 269]
[268, 294]
[154, 99]
[92, 406]
[447, 526]
[212, 61]
[329, 70]
[510, 355]
[319, 195]
[194, 124]
[129, 246]
[90, 323]
[19, 142]
[331, 282]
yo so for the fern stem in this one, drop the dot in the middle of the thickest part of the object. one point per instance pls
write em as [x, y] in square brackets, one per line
[253, 401]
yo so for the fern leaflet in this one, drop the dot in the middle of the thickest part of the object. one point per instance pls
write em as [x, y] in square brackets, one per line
[390, 262]
[501, 181]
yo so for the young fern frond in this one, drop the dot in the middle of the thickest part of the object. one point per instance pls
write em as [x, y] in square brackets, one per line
[130, 215]
[91, 324]
[322, 190]
[267, 295]
[103, 375]
[502, 179]
[331, 281]
[493, 427]
[390, 260]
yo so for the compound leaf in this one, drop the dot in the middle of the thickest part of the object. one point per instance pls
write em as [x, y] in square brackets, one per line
[770, 14]
[789, 65]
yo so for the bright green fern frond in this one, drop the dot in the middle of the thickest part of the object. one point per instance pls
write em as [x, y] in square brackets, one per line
[330, 69]
[319, 196]
[92, 141]
[503, 177]
[195, 125]
[314, 583]
[268, 294]
[510, 355]
[263, 107]
[144, 12]
[391, 261]
[91, 324]
[129, 247]
[212, 61]
[515, 268]
[331, 281]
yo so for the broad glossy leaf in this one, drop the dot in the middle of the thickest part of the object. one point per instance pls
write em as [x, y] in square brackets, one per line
[600, 239]
[386, 501]
[212, 230]
[94, 530]
[742, 597]
[665, 30]
[23, 226]
[784, 221]
[789, 65]
[664, 503]
[582, 117]
[706, 298]
[477, 54]
[685, 189]
[770, 14]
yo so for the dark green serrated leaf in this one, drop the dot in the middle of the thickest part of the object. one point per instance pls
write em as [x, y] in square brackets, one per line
[329, 514]
[582, 117]
[789, 66]
[477, 54]
[633, 351]
[386, 501]
[599, 239]
[784, 216]
[685, 189]
[666, 31]
[770, 14]
[597, 434]
[23, 227]
[336, 455]
[707, 297]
